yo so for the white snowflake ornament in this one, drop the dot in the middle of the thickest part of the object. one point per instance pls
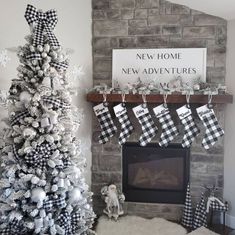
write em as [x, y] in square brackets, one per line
[4, 58]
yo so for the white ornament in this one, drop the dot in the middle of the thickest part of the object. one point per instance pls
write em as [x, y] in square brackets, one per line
[35, 180]
[25, 97]
[54, 188]
[29, 133]
[38, 195]
[40, 48]
[75, 196]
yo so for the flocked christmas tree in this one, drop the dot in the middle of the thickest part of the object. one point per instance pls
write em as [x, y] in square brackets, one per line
[43, 190]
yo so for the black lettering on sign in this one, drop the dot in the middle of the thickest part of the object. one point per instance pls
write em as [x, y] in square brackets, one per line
[130, 71]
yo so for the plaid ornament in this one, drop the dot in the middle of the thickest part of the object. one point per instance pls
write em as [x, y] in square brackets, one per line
[19, 116]
[149, 130]
[169, 130]
[56, 102]
[108, 129]
[45, 23]
[213, 129]
[14, 227]
[54, 202]
[200, 216]
[190, 128]
[39, 156]
[126, 126]
[187, 219]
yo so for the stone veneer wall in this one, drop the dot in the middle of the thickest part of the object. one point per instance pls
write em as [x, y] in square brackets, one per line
[155, 24]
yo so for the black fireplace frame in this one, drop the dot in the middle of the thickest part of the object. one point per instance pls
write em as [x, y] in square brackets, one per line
[134, 194]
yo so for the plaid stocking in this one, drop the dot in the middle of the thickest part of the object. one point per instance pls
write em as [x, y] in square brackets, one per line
[126, 126]
[106, 123]
[213, 129]
[169, 130]
[149, 130]
[190, 128]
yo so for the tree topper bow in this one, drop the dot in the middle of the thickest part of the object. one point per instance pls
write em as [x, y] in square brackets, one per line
[45, 23]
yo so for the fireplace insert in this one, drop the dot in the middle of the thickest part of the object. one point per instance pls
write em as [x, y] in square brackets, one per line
[155, 174]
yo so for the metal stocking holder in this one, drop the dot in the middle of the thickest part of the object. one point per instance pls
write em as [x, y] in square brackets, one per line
[165, 99]
[144, 105]
[123, 99]
[105, 99]
[210, 105]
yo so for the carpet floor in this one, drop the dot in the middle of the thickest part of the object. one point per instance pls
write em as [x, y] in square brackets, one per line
[133, 225]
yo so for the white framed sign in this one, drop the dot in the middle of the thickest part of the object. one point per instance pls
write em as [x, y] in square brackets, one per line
[158, 65]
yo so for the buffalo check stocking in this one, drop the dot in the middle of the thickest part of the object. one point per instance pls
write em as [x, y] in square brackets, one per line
[169, 130]
[190, 128]
[108, 129]
[213, 129]
[149, 130]
[126, 126]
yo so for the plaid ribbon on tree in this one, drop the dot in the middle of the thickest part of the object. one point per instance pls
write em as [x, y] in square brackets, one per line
[56, 102]
[38, 157]
[57, 65]
[15, 227]
[45, 23]
[68, 222]
[54, 202]
[15, 152]
[19, 116]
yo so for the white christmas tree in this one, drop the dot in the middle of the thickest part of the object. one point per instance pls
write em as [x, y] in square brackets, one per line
[43, 190]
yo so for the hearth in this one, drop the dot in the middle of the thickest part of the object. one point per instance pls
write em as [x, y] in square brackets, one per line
[155, 174]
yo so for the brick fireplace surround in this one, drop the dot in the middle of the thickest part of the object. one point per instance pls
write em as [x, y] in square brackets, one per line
[155, 24]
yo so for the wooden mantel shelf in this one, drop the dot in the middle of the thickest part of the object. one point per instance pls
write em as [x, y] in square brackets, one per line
[158, 98]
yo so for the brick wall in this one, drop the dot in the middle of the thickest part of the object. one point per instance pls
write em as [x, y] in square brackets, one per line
[155, 24]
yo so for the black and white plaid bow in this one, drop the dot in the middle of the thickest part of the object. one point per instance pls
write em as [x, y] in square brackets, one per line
[45, 23]
[69, 222]
[13, 228]
[54, 202]
[56, 102]
[39, 156]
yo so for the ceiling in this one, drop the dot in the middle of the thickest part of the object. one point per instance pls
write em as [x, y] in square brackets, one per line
[221, 8]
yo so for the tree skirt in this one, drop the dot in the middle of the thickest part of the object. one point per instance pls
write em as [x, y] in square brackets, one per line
[133, 225]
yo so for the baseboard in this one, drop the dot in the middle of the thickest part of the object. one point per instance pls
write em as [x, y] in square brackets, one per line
[230, 221]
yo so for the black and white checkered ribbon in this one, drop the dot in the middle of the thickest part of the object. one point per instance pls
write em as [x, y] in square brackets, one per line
[169, 130]
[14, 227]
[56, 102]
[39, 156]
[45, 23]
[19, 116]
[68, 222]
[200, 216]
[213, 130]
[15, 152]
[187, 219]
[190, 131]
[62, 66]
[54, 202]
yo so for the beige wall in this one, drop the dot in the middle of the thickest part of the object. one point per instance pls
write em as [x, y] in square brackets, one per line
[73, 31]
[229, 164]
